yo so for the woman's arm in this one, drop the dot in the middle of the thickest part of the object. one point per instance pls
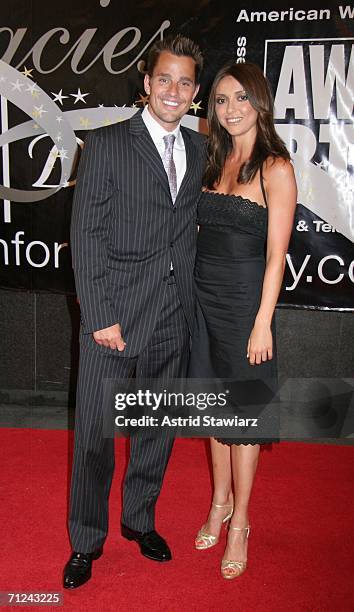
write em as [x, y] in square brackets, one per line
[281, 195]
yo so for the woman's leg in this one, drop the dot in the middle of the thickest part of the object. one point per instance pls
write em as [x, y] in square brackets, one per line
[222, 495]
[222, 477]
[244, 459]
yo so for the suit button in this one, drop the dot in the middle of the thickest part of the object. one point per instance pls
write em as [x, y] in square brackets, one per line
[174, 210]
[172, 245]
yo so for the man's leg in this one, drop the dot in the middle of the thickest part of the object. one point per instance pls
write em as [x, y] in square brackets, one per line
[166, 356]
[93, 462]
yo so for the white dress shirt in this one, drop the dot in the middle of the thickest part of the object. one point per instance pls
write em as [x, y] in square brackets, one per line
[157, 132]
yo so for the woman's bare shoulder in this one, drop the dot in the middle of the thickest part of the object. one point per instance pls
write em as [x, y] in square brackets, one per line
[278, 168]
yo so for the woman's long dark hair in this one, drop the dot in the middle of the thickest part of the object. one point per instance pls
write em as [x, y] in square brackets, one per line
[267, 144]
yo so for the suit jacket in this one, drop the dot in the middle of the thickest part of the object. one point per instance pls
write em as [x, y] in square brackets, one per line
[125, 231]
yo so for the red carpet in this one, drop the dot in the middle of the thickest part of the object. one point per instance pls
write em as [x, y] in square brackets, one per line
[301, 550]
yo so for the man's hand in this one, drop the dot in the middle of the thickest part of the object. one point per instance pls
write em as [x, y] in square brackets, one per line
[111, 337]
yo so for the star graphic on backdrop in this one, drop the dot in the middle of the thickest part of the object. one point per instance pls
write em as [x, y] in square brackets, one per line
[27, 73]
[79, 96]
[2, 79]
[85, 123]
[59, 97]
[101, 106]
[59, 137]
[33, 90]
[17, 86]
[143, 100]
[195, 106]
[63, 153]
[133, 105]
[38, 112]
[59, 119]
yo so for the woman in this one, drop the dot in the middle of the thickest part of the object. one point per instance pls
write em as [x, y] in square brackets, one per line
[245, 216]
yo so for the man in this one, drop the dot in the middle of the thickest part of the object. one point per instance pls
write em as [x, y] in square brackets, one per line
[133, 245]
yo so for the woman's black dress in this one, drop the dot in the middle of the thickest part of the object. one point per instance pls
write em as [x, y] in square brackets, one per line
[229, 273]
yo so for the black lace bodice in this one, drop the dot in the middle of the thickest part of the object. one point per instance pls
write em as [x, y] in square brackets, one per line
[220, 209]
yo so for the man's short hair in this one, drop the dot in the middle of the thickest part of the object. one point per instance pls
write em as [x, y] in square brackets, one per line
[177, 45]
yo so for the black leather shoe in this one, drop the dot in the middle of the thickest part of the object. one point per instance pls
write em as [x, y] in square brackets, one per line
[78, 569]
[152, 545]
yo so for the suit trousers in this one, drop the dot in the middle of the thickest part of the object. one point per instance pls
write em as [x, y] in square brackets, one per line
[165, 356]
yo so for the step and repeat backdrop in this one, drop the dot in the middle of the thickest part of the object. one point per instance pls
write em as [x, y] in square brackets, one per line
[70, 67]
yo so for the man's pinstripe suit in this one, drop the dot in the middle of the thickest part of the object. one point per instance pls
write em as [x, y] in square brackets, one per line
[125, 233]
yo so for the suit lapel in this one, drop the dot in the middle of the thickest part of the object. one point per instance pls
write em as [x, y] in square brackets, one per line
[145, 147]
[191, 162]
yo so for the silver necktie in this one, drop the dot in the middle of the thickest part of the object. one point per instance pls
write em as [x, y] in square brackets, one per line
[169, 164]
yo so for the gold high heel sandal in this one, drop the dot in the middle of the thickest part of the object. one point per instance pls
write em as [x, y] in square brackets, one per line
[204, 539]
[237, 567]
